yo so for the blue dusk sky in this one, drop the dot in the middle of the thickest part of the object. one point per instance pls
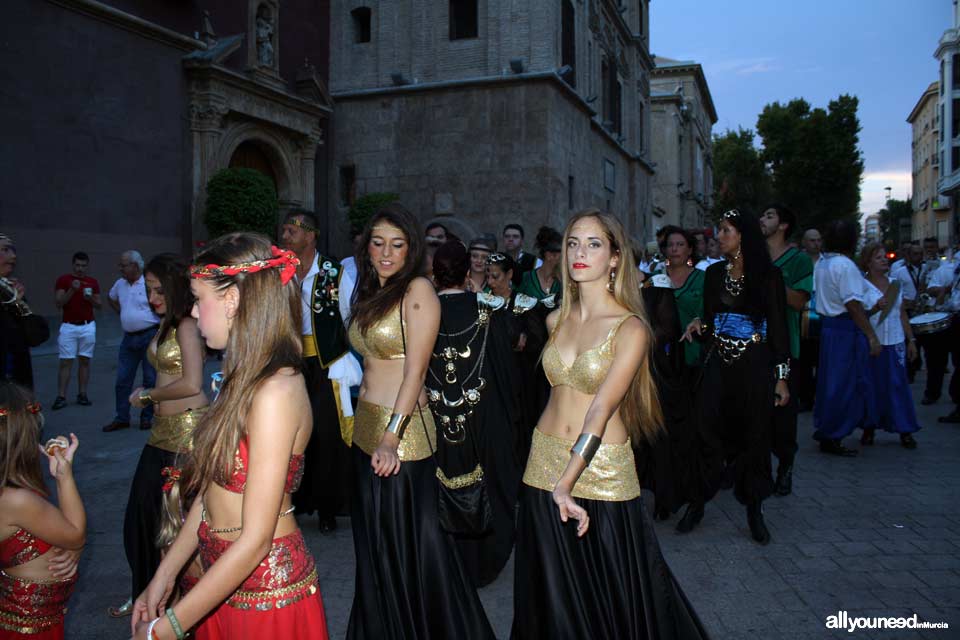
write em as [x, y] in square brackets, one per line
[756, 52]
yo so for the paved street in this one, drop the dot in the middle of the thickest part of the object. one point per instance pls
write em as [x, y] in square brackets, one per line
[878, 535]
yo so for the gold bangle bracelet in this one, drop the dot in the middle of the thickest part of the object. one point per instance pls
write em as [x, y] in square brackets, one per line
[586, 446]
[398, 424]
[145, 397]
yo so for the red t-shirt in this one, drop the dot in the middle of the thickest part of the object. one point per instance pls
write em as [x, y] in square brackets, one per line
[77, 309]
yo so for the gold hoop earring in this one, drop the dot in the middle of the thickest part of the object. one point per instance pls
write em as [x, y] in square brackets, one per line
[613, 275]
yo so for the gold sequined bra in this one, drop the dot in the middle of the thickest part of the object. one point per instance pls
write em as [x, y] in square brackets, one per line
[588, 369]
[383, 340]
[166, 357]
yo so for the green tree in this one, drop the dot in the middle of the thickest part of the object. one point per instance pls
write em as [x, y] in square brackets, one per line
[739, 176]
[241, 200]
[366, 205]
[891, 218]
[814, 158]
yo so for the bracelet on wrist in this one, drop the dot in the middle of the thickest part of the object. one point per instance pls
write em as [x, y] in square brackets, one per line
[398, 424]
[145, 397]
[175, 624]
[151, 634]
[586, 446]
[783, 371]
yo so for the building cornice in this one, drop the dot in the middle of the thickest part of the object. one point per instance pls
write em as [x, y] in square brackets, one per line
[932, 91]
[689, 68]
[129, 22]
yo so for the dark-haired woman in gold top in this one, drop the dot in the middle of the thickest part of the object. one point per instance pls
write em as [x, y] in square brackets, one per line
[603, 577]
[410, 582]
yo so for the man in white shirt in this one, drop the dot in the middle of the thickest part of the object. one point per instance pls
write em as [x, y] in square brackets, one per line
[944, 284]
[128, 297]
[847, 342]
[912, 276]
[713, 254]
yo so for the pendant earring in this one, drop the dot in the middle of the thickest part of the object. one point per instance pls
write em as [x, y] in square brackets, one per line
[689, 262]
[613, 275]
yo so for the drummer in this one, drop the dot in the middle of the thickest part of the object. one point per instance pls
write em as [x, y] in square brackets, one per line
[912, 276]
[945, 285]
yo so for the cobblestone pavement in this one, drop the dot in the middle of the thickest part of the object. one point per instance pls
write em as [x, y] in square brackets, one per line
[876, 535]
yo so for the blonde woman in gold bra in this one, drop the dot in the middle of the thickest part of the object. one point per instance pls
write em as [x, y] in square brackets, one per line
[410, 583]
[176, 352]
[587, 560]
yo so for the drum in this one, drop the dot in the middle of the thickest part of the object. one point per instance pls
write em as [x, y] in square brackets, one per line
[933, 322]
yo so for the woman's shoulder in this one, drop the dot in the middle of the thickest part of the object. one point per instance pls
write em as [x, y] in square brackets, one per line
[14, 499]
[421, 286]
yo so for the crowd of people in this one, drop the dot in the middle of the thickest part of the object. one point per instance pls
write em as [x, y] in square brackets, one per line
[460, 402]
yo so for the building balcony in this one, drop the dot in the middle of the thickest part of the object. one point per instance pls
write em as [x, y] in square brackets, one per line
[947, 185]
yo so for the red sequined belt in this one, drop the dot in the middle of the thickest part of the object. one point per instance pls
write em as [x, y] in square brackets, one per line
[32, 606]
[287, 575]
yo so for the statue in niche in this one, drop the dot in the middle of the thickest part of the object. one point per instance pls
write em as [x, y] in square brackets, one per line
[264, 37]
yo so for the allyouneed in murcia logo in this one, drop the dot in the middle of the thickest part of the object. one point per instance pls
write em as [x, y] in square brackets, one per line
[843, 620]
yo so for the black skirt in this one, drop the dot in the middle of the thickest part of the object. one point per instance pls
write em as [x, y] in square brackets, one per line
[326, 477]
[611, 583]
[141, 521]
[410, 582]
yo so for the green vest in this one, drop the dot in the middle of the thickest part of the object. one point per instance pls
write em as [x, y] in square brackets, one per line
[329, 334]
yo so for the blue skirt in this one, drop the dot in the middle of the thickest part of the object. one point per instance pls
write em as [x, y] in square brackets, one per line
[892, 408]
[844, 390]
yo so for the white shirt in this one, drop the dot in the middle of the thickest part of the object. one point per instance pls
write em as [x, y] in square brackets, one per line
[836, 281]
[706, 262]
[306, 296]
[135, 311]
[909, 276]
[900, 262]
[890, 331]
[947, 276]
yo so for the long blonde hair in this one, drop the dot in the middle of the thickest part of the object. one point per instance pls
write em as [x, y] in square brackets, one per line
[640, 408]
[264, 338]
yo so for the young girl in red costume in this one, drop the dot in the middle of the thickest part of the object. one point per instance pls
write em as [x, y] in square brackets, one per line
[32, 596]
[259, 578]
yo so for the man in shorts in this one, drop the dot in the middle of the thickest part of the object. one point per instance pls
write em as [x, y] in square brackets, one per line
[78, 295]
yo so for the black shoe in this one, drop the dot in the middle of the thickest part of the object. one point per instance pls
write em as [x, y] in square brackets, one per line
[691, 518]
[59, 403]
[327, 525]
[784, 484]
[907, 441]
[758, 528]
[868, 436]
[116, 425]
[83, 400]
[927, 400]
[835, 448]
[951, 418]
[145, 424]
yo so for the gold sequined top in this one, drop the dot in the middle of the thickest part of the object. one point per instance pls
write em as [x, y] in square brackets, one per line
[588, 369]
[611, 475]
[166, 358]
[383, 339]
[370, 421]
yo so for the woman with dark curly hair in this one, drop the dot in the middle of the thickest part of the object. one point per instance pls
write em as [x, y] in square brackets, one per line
[410, 582]
[745, 372]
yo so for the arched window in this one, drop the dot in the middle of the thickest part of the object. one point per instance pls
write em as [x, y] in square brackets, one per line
[361, 24]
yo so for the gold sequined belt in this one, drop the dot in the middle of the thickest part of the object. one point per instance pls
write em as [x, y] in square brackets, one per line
[175, 433]
[26, 625]
[275, 598]
[611, 476]
[370, 422]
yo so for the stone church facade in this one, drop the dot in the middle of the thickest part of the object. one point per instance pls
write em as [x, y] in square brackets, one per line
[484, 112]
[118, 113]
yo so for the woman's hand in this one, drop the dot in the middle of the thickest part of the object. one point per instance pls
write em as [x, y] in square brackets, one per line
[875, 346]
[880, 306]
[151, 603]
[140, 630]
[695, 327]
[61, 461]
[385, 461]
[570, 509]
[63, 563]
[912, 350]
[781, 394]
[135, 400]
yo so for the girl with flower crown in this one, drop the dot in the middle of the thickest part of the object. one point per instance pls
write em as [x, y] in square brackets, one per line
[259, 579]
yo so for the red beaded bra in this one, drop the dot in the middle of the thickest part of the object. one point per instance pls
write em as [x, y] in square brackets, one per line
[20, 548]
[238, 479]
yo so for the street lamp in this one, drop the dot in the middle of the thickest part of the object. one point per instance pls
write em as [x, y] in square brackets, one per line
[888, 190]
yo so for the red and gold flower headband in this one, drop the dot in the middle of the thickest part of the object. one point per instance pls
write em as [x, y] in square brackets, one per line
[286, 261]
[172, 475]
[33, 407]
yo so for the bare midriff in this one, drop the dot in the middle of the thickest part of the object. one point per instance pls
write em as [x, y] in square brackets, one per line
[567, 409]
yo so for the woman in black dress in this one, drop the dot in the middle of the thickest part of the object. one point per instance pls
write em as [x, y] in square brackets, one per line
[744, 374]
[410, 582]
[603, 577]
[471, 386]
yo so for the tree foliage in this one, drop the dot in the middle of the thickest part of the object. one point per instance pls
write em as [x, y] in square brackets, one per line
[814, 158]
[366, 205]
[240, 199]
[890, 222]
[740, 179]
